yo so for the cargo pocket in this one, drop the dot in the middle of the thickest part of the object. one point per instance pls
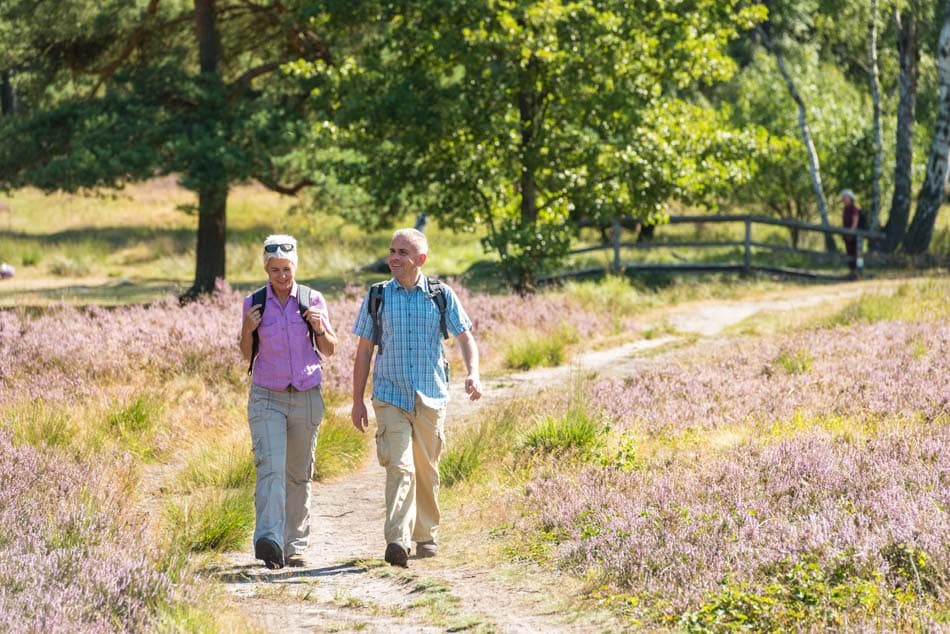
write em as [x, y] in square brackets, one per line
[382, 446]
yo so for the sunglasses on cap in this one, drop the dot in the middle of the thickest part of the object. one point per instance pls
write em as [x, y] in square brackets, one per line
[272, 248]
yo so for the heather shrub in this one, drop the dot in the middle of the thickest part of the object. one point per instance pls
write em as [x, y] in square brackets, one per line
[877, 371]
[73, 556]
[792, 483]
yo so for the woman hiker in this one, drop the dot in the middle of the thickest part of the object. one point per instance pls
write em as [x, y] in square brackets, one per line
[285, 331]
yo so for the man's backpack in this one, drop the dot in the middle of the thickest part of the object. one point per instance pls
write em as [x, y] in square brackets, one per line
[863, 222]
[260, 298]
[375, 308]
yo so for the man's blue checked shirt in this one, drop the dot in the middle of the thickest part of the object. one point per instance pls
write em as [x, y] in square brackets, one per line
[412, 357]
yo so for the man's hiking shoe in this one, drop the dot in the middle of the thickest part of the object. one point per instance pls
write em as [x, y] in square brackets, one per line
[396, 555]
[295, 561]
[269, 551]
[426, 549]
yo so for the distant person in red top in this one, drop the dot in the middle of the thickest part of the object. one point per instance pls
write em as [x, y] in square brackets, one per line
[850, 217]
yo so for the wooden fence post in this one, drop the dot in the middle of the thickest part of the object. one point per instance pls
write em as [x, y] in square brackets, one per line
[747, 256]
[616, 240]
[859, 261]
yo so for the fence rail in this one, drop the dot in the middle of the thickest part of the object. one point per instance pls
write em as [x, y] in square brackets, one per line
[747, 245]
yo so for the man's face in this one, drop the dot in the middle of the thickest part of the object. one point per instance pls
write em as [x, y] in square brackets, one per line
[405, 260]
[280, 272]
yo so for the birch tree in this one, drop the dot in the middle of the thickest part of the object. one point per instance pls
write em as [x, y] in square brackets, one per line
[932, 192]
[908, 50]
[814, 166]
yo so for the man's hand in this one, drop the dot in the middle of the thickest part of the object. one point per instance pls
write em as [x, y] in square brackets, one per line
[473, 387]
[359, 416]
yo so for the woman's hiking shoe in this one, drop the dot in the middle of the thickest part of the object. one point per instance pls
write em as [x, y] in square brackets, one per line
[426, 549]
[396, 555]
[269, 551]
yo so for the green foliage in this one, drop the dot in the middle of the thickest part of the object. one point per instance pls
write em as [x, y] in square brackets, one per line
[623, 457]
[802, 595]
[910, 568]
[487, 113]
[463, 457]
[39, 424]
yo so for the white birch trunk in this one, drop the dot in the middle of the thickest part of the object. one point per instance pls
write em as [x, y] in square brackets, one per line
[878, 135]
[931, 195]
[813, 167]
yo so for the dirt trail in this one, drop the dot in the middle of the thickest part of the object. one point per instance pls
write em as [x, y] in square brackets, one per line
[346, 586]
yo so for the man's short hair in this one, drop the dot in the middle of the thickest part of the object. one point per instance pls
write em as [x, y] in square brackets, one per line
[416, 237]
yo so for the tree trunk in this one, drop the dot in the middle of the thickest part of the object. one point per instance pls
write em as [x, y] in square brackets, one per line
[7, 94]
[909, 56]
[212, 236]
[813, 166]
[527, 185]
[931, 195]
[212, 196]
[876, 100]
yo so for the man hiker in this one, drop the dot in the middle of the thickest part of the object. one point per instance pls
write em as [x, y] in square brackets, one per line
[407, 317]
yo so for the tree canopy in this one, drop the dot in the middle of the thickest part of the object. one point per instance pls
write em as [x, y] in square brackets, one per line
[522, 116]
[527, 115]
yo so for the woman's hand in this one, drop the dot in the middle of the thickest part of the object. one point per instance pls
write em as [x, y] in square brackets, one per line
[253, 318]
[315, 317]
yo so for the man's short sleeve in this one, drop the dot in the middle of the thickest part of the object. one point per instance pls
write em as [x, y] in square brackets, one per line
[363, 326]
[456, 320]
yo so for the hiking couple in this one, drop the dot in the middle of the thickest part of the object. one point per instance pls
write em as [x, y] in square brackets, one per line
[406, 317]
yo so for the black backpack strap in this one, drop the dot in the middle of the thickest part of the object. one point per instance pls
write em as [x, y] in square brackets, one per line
[303, 300]
[375, 308]
[258, 297]
[437, 295]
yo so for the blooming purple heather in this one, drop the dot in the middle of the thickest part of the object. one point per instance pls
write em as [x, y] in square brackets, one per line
[70, 561]
[843, 455]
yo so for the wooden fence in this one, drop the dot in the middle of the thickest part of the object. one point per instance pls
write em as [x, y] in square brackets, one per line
[747, 245]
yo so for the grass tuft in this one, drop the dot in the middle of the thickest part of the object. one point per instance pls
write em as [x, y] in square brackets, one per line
[217, 520]
[134, 425]
[575, 432]
[340, 448]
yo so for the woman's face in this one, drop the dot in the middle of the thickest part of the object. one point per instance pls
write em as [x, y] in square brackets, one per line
[280, 272]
